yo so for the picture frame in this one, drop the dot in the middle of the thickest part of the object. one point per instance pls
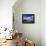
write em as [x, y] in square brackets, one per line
[28, 18]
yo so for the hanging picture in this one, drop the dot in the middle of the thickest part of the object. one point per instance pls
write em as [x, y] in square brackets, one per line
[28, 18]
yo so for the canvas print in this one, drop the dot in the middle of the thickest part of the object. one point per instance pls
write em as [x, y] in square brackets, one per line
[28, 18]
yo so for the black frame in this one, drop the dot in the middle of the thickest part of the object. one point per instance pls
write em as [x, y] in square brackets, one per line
[29, 18]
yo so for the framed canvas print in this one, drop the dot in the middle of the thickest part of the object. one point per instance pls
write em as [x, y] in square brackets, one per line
[28, 18]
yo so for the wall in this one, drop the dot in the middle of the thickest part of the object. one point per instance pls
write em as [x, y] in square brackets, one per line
[30, 31]
[43, 22]
[6, 13]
